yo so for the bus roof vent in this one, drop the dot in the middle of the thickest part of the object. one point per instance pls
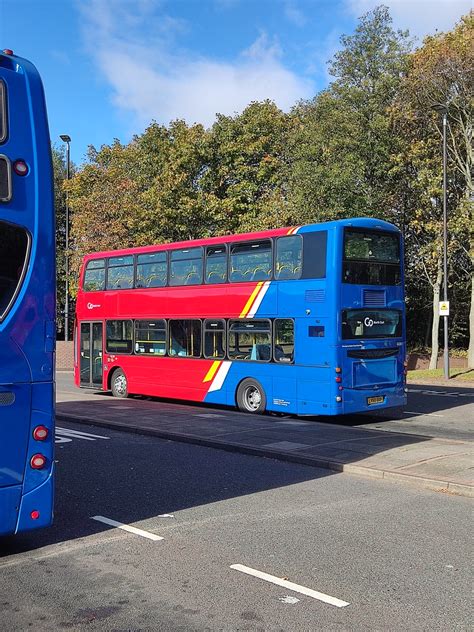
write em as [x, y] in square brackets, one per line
[374, 298]
[314, 296]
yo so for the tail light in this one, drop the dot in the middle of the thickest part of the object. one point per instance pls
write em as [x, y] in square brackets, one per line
[40, 433]
[35, 514]
[338, 379]
[20, 168]
[338, 369]
[338, 398]
[38, 461]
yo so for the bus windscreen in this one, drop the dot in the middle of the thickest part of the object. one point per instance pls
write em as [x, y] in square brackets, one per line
[371, 257]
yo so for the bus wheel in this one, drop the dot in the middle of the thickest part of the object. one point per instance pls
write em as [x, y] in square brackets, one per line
[251, 397]
[119, 384]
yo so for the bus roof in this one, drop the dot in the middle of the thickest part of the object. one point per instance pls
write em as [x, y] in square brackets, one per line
[357, 222]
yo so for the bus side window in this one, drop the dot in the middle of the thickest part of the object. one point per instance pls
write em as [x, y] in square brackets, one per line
[152, 270]
[284, 340]
[216, 264]
[250, 340]
[150, 337]
[94, 276]
[251, 261]
[185, 338]
[186, 266]
[288, 257]
[120, 273]
[214, 339]
[118, 337]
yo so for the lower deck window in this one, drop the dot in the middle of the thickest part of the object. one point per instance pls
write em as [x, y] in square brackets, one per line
[118, 336]
[284, 347]
[150, 337]
[185, 338]
[250, 340]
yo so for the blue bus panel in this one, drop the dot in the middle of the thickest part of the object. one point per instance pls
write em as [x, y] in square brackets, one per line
[27, 300]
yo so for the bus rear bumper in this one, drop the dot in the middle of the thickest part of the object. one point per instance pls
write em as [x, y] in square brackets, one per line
[365, 401]
[40, 499]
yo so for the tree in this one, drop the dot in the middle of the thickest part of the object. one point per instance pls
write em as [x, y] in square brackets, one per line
[342, 144]
[440, 72]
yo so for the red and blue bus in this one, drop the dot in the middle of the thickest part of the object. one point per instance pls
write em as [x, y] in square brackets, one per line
[27, 300]
[306, 320]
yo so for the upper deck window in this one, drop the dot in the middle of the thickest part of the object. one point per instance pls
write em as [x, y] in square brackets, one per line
[152, 270]
[120, 273]
[94, 276]
[216, 264]
[251, 261]
[371, 257]
[288, 257]
[186, 266]
[14, 247]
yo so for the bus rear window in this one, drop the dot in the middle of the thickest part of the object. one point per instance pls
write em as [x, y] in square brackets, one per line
[371, 257]
[362, 323]
[14, 246]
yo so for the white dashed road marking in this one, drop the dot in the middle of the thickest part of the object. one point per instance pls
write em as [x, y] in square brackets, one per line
[127, 527]
[65, 435]
[333, 601]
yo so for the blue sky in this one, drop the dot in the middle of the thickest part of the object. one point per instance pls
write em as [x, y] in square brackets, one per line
[111, 66]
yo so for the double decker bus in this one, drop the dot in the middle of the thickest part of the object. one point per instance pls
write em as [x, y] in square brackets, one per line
[306, 320]
[27, 300]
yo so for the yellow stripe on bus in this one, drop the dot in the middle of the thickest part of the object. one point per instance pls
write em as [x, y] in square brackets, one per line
[253, 296]
[212, 371]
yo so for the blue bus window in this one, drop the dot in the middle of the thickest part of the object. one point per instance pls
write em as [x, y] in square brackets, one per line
[14, 246]
[288, 257]
[3, 113]
[316, 331]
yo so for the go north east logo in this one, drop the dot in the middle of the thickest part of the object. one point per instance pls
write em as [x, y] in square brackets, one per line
[368, 322]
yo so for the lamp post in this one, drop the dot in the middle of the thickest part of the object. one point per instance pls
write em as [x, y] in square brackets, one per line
[443, 111]
[67, 139]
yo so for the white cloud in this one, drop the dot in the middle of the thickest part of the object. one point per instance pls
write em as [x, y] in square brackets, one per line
[421, 17]
[294, 14]
[151, 77]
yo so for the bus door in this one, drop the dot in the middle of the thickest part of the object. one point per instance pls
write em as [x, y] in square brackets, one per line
[90, 353]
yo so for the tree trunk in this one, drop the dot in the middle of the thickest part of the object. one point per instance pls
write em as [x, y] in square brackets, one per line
[435, 326]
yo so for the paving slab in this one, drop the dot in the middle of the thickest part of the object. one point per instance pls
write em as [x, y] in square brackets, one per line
[432, 463]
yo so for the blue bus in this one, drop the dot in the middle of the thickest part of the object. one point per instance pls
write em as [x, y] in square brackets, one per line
[27, 300]
[308, 320]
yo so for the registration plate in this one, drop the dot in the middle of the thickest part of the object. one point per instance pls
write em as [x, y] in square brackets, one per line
[375, 400]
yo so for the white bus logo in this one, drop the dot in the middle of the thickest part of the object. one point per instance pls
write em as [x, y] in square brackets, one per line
[368, 322]
[92, 305]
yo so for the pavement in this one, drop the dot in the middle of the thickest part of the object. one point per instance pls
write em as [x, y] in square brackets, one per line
[440, 464]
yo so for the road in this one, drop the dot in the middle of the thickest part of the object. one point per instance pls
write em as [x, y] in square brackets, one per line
[386, 556]
[442, 412]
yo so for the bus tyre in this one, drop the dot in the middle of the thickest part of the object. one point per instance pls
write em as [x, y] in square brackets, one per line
[251, 397]
[119, 384]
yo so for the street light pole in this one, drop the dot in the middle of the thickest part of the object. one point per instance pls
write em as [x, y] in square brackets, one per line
[67, 139]
[443, 110]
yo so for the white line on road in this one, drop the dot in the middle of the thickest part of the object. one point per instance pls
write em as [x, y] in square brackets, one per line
[333, 601]
[79, 435]
[411, 412]
[127, 527]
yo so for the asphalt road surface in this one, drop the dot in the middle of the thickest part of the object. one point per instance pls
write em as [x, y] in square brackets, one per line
[360, 554]
[439, 411]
